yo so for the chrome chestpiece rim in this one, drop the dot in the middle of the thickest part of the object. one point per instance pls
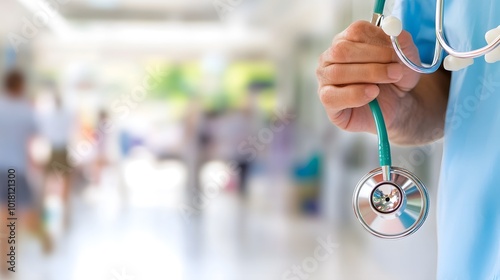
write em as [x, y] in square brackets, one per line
[394, 208]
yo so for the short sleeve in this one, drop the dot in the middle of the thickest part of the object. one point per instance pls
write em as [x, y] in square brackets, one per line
[418, 19]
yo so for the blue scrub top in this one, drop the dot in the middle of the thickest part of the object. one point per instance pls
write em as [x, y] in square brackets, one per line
[469, 192]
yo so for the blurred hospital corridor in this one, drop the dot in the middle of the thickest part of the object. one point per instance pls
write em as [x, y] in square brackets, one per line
[184, 140]
[146, 237]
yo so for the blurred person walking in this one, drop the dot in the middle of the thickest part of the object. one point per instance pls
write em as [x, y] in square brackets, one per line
[56, 127]
[17, 128]
[235, 129]
[101, 160]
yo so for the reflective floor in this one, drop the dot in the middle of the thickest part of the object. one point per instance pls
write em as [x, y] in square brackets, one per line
[137, 232]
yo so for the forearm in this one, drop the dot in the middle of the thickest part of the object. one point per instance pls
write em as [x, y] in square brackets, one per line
[422, 119]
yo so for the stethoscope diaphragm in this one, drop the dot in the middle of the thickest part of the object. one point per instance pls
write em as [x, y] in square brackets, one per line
[391, 207]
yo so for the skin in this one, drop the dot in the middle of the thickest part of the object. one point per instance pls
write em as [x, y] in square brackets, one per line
[360, 66]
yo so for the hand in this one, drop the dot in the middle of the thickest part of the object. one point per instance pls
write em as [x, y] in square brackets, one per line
[360, 66]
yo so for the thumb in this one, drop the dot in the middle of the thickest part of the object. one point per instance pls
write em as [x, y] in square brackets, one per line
[410, 78]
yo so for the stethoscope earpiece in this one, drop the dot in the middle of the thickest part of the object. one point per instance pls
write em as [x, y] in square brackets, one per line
[452, 63]
[391, 205]
[490, 37]
[392, 26]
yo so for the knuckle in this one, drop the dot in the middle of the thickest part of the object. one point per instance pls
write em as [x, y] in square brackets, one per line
[337, 119]
[319, 73]
[333, 74]
[378, 37]
[357, 30]
[382, 40]
[332, 118]
[340, 50]
[325, 95]
[320, 76]
[320, 62]
[323, 57]
[337, 37]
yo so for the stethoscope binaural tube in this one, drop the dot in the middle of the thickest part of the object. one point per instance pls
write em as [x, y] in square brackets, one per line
[456, 60]
[389, 202]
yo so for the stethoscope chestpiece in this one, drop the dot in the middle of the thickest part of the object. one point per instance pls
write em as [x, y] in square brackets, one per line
[391, 208]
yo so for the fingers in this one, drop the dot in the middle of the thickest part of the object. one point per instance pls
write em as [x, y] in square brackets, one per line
[360, 64]
[349, 119]
[340, 118]
[343, 51]
[343, 74]
[365, 32]
[338, 98]
[364, 42]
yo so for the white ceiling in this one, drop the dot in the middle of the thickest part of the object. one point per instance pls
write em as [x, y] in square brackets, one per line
[151, 10]
[182, 26]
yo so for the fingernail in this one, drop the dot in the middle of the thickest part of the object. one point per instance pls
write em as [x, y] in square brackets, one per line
[371, 91]
[395, 71]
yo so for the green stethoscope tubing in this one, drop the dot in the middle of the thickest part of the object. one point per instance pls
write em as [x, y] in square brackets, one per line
[384, 149]
[379, 7]
[382, 181]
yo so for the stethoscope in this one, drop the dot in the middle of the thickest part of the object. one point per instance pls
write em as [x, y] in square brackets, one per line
[391, 202]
